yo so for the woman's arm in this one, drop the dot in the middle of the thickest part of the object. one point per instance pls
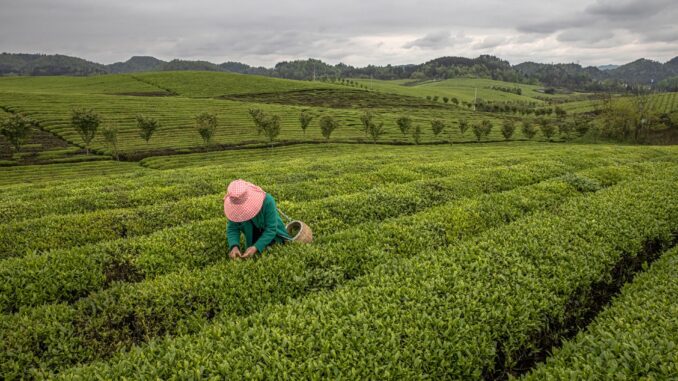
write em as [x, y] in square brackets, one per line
[233, 234]
[271, 221]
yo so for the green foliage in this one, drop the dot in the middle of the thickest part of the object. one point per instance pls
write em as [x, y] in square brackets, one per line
[463, 126]
[582, 183]
[482, 129]
[17, 129]
[206, 126]
[582, 124]
[147, 127]
[416, 134]
[634, 338]
[305, 119]
[86, 123]
[376, 130]
[437, 126]
[548, 129]
[508, 127]
[366, 119]
[327, 125]
[110, 135]
[404, 124]
[528, 129]
[565, 129]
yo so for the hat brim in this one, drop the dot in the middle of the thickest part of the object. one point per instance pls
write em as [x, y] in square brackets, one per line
[247, 210]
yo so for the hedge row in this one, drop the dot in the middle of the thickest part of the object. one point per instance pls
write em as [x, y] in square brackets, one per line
[184, 301]
[64, 231]
[463, 312]
[70, 274]
[635, 338]
[170, 186]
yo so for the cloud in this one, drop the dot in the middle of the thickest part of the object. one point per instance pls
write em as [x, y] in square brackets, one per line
[263, 32]
[437, 40]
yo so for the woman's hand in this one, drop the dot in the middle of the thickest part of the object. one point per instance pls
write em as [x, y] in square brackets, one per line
[235, 253]
[249, 252]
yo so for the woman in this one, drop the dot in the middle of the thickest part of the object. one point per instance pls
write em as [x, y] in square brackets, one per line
[252, 212]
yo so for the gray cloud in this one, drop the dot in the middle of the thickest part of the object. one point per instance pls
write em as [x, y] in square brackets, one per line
[262, 32]
[437, 40]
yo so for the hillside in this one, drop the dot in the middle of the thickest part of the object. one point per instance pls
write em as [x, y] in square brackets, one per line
[568, 75]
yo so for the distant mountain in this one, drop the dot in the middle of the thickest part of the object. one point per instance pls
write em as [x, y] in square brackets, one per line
[136, 64]
[643, 71]
[565, 75]
[607, 67]
[41, 64]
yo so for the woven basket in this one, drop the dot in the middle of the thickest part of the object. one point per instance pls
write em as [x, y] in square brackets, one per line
[304, 233]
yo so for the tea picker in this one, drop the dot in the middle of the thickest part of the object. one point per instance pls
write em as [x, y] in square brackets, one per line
[254, 214]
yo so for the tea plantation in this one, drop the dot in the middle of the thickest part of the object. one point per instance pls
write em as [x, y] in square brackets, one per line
[471, 261]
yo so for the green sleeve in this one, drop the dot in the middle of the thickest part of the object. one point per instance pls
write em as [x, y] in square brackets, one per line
[233, 234]
[271, 221]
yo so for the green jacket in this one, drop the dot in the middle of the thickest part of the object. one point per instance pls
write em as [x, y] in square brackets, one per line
[267, 220]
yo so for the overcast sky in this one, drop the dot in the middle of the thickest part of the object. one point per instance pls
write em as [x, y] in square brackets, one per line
[263, 32]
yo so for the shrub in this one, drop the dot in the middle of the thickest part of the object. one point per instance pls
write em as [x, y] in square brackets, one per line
[305, 119]
[86, 123]
[404, 124]
[507, 129]
[147, 127]
[206, 126]
[327, 125]
[528, 129]
[437, 126]
[110, 135]
[17, 130]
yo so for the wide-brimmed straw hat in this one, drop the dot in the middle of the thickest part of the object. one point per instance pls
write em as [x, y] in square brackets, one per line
[243, 200]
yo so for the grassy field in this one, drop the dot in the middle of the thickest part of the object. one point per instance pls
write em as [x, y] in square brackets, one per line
[118, 100]
[464, 89]
[426, 261]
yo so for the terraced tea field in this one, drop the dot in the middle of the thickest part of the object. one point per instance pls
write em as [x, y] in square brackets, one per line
[175, 98]
[444, 261]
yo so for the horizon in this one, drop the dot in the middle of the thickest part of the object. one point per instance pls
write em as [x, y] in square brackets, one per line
[262, 33]
[336, 63]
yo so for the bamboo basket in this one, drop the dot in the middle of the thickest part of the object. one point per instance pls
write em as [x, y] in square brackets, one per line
[304, 233]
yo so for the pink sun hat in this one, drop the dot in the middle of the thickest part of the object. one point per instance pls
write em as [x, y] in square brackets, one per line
[243, 200]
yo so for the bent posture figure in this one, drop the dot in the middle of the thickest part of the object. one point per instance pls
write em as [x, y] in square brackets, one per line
[252, 212]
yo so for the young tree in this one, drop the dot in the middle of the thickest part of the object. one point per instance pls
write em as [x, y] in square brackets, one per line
[565, 129]
[547, 128]
[17, 129]
[455, 101]
[327, 125]
[257, 116]
[478, 130]
[560, 113]
[366, 118]
[435, 98]
[206, 125]
[404, 124]
[416, 134]
[271, 127]
[147, 127]
[86, 123]
[110, 135]
[305, 120]
[507, 129]
[446, 99]
[487, 127]
[528, 129]
[463, 126]
[437, 126]
[582, 124]
[376, 130]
